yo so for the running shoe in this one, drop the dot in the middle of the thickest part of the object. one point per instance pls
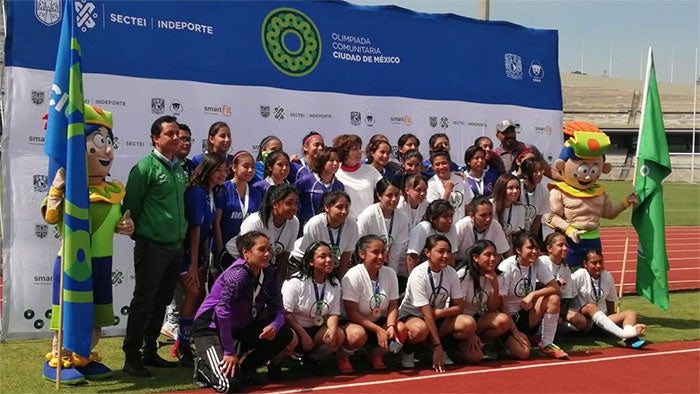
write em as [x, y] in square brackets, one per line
[635, 343]
[446, 360]
[406, 360]
[553, 351]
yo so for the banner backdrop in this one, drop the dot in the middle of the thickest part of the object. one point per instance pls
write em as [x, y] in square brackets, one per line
[263, 67]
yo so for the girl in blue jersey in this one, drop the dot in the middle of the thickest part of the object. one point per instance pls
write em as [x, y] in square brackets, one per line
[236, 201]
[311, 145]
[276, 171]
[313, 186]
[480, 177]
[267, 145]
[437, 142]
[411, 165]
[209, 175]
[218, 141]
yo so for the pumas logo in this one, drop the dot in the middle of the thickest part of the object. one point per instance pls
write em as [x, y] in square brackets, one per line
[41, 230]
[48, 12]
[514, 66]
[158, 105]
[41, 183]
[85, 15]
[176, 107]
[369, 120]
[38, 97]
[536, 71]
[355, 118]
[265, 111]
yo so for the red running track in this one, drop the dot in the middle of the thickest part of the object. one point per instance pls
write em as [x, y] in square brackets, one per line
[683, 249]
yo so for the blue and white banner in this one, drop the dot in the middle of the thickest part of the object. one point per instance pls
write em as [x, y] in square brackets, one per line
[263, 67]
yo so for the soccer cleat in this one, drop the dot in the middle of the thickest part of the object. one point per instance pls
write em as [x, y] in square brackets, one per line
[169, 330]
[406, 360]
[553, 351]
[344, 365]
[635, 343]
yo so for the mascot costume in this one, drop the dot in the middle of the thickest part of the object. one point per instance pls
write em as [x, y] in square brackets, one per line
[578, 202]
[105, 220]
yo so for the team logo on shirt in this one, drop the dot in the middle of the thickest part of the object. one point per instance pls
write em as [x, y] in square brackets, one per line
[523, 287]
[438, 298]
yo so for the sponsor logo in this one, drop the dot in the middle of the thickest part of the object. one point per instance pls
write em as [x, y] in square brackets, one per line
[369, 120]
[224, 110]
[117, 278]
[476, 124]
[444, 122]
[115, 142]
[176, 107]
[38, 97]
[320, 116]
[85, 15]
[297, 114]
[114, 103]
[355, 118]
[547, 129]
[41, 183]
[36, 140]
[48, 12]
[433, 121]
[536, 72]
[406, 119]
[41, 230]
[42, 279]
[514, 66]
[457, 123]
[135, 143]
[265, 111]
[158, 105]
[279, 113]
[294, 57]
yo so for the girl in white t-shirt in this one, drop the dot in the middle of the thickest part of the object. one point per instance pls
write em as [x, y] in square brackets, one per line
[528, 307]
[482, 300]
[596, 301]
[371, 299]
[555, 261]
[276, 219]
[437, 220]
[506, 204]
[333, 228]
[390, 224]
[534, 195]
[447, 185]
[426, 312]
[312, 300]
[480, 225]
[413, 202]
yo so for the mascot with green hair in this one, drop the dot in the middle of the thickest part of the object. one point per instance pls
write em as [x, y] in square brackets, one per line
[105, 220]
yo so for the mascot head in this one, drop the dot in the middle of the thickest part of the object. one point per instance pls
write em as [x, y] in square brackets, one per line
[582, 160]
[99, 142]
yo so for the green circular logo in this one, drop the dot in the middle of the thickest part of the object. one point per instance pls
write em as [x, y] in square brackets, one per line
[291, 41]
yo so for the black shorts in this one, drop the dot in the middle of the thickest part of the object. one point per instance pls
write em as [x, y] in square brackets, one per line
[371, 336]
[312, 331]
[564, 308]
[522, 321]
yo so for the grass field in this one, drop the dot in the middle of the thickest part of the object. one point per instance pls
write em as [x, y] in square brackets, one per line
[681, 203]
[20, 361]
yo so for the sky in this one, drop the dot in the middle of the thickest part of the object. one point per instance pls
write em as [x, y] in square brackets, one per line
[595, 34]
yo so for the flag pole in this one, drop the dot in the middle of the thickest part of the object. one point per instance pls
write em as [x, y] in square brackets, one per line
[634, 177]
[59, 335]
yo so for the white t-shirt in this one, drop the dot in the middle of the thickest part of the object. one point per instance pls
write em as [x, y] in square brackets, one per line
[299, 298]
[420, 291]
[603, 291]
[538, 200]
[416, 240]
[461, 194]
[467, 236]
[281, 238]
[359, 185]
[358, 287]
[514, 285]
[372, 221]
[561, 271]
[474, 303]
[513, 218]
[415, 216]
[316, 229]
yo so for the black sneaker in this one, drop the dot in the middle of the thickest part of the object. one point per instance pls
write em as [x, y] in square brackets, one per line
[186, 354]
[251, 377]
[274, 372]
[136, 369]
[200, 379]
[155, 360]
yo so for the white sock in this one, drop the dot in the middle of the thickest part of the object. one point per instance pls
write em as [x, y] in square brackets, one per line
[604, 322]
[549, 328]
[629, 331]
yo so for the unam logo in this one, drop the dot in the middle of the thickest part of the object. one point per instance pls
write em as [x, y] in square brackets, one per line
[85, 16]
[514, 66]
[291, 41]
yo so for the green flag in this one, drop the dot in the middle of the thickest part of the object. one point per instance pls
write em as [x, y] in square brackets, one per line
[653, 165]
